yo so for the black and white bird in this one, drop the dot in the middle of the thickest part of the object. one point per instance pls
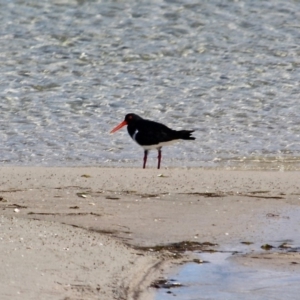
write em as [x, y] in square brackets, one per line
[152, 135]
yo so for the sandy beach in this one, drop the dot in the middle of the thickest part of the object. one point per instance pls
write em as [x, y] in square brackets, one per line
[91, 233]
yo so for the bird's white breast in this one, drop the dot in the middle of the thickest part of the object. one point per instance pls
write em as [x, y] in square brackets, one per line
[156, 146]
[134, 135]
[150, 147]
[159, 145]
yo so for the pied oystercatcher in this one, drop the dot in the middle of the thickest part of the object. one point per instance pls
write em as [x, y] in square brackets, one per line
[152, 135]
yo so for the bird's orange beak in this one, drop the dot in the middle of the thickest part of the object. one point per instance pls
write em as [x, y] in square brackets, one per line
[119, 126]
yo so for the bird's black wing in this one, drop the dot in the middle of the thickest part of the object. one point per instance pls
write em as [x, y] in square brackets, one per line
[153, 133]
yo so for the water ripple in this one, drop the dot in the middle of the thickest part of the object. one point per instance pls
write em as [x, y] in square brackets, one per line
[71, 70]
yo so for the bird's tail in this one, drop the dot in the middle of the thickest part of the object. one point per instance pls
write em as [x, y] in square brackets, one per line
[185, 134]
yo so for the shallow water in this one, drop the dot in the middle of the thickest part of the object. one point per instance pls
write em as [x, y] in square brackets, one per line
[70, 70]
[230, 275]
[222, 279]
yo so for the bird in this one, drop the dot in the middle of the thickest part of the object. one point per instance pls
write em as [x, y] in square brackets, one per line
[152, 135]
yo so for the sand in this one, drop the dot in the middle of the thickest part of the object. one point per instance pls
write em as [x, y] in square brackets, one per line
[76, 233]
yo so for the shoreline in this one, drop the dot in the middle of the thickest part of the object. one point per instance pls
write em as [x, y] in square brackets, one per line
[126, 208]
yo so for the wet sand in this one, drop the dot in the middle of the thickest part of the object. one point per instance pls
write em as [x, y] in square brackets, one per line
[71, 233]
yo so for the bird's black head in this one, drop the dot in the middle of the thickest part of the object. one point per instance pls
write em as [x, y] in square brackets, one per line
[129, 119]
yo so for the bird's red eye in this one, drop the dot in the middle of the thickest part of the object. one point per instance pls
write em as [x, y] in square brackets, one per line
[129, 117]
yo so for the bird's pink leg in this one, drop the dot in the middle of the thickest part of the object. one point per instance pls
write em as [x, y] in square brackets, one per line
[145, 158]
[159, 158]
